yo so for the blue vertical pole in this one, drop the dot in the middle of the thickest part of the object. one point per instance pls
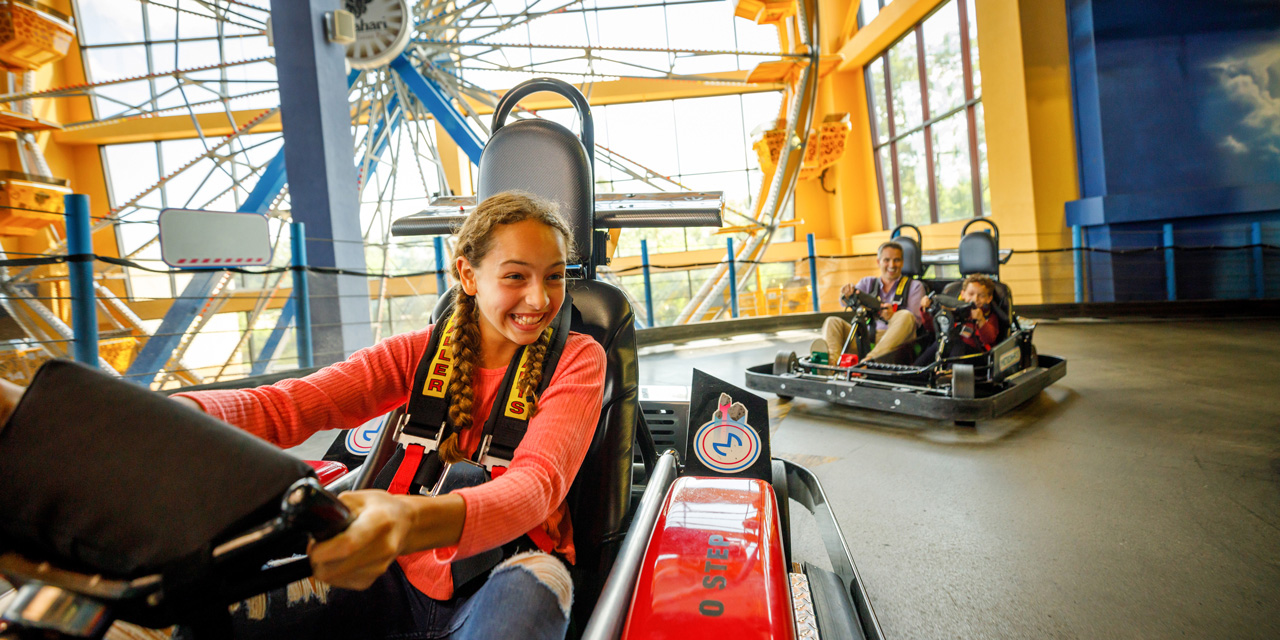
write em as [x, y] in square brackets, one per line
[813, 273]
[1170, 274]
[1077, 244]
[648, 284]
[733, 281]
[84, 312]
[441, 267]
[1259, 267]
[301, 295]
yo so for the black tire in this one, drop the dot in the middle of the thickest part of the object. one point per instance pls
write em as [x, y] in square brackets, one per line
[962, 381]
[783, 497]
[1030, 357]
[785, 363]
[862, 340]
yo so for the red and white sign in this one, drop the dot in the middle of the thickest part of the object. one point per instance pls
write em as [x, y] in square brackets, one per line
[195, 239]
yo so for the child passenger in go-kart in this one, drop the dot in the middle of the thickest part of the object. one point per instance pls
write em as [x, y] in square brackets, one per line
[390, 570]
[978, 332]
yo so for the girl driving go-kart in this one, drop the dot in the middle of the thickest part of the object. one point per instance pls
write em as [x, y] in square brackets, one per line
[395, 569]
[415, 560]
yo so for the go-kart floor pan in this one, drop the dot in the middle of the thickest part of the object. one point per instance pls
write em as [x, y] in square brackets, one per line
[910, 400]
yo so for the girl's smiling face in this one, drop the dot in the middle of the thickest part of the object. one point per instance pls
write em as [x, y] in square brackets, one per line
[518, 286]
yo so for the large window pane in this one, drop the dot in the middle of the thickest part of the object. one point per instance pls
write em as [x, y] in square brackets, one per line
[109, 22]
[879, 106]
[972, 14]
[953, 173]
[886, 186]
[645, 132]
[709, 132]
[904, 76]
[982, 162]
[943, 65]
[914, 179]
[868, 10]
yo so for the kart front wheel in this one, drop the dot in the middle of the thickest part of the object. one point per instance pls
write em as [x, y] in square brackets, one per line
[1030, 357]
[786, 362]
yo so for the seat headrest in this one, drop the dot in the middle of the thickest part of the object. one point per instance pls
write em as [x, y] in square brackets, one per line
[546, 159]
[912, 265]
[978, 253]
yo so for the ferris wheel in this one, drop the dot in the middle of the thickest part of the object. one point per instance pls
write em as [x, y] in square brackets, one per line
[422, 78]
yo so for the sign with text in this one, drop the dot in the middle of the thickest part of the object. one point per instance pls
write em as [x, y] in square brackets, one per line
[195, 239]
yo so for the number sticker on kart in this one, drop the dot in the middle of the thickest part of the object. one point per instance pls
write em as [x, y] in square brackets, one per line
[726, 443]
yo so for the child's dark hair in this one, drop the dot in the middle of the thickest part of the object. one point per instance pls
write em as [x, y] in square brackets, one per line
[980, 280]
[475, 239]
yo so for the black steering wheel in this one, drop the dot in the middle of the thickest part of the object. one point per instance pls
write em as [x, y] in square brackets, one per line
[859, 299]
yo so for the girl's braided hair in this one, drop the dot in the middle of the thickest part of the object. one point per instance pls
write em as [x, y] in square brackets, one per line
[474, 240]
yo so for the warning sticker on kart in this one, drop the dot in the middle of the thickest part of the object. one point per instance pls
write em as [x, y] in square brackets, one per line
[733, 436]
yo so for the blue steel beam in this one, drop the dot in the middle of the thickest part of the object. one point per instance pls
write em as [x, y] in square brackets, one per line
[177, 320]
[395, 116]
[435, 100]
[273, 341]
[285, 321]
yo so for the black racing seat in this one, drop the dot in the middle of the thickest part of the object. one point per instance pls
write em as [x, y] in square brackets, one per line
[600, 495]
[912, 262]
[548, 160]
[979, 253]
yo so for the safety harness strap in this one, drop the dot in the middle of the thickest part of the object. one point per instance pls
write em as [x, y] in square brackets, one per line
[506, 426]
[427, 423]
[899, 293]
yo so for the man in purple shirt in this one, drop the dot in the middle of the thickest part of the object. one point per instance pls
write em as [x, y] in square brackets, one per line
[899, 308]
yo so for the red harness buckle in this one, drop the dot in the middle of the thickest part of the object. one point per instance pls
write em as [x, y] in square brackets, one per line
[408, 468]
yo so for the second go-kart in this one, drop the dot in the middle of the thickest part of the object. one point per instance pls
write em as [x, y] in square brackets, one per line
[964, 389]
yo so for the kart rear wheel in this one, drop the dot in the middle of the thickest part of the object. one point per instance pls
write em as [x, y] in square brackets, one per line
[962, 381]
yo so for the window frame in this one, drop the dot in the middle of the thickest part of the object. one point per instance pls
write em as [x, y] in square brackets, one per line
[972, 99]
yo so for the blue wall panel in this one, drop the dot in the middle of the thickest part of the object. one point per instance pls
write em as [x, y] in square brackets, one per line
[1177, 112]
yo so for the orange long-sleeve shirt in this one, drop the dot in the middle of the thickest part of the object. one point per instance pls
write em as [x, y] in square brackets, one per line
[378, 379]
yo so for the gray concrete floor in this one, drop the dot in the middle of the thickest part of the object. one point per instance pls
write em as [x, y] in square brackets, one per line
[1139, 497]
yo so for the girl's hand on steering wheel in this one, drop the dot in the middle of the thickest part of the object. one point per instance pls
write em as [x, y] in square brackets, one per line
[356, 558]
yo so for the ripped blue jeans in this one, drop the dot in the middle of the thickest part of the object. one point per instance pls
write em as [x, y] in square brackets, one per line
[511, 603]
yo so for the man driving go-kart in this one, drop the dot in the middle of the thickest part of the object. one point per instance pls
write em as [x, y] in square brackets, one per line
[899, 314]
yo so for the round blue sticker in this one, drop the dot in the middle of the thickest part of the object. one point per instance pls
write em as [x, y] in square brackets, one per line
[726, 445]
[360, 440]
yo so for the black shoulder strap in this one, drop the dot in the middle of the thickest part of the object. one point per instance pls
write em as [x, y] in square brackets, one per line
[904, 283]
[428, 405]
